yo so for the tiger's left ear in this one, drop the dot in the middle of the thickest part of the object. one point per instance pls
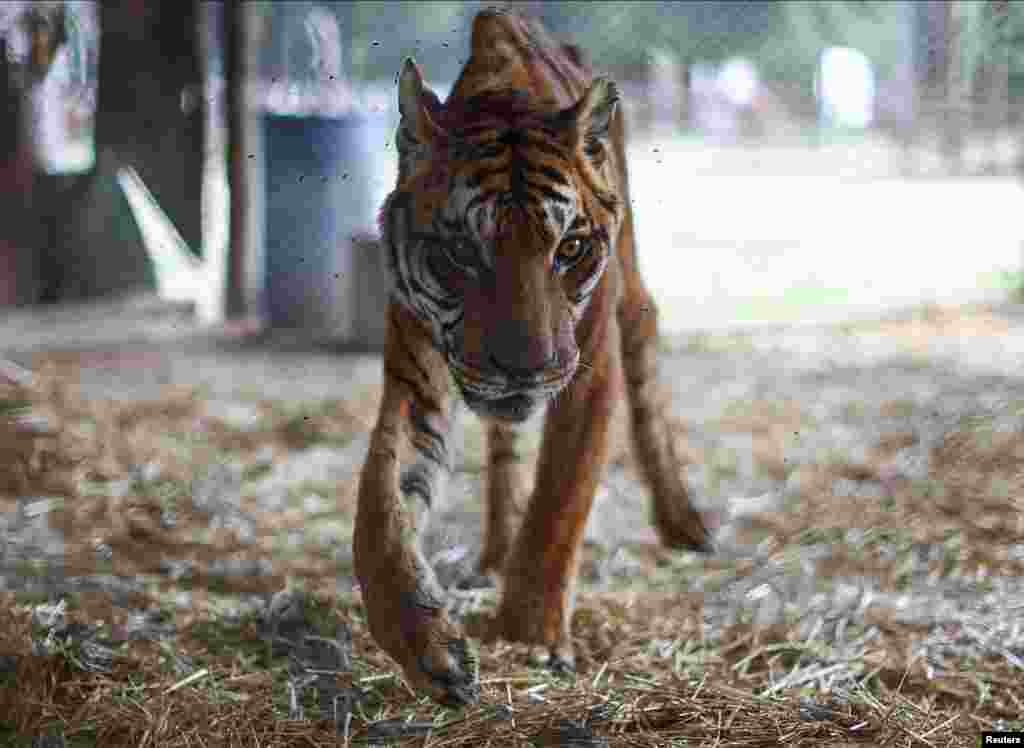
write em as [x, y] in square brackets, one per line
[415, 102]
[589, 120]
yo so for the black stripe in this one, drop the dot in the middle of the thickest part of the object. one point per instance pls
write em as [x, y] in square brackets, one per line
[422, 236]
[394, 261]
[404, 345]
[449, 301]
[433, 446]
[415, 483]
[418, 289]
[441, 268]
[420, 422]
[547, 128]
[471, 131]
[484, 150]
[435, 452]
[448, 327]
[544, 145]
[413, 387]
[609, 202]
[452, 300]
[596, 271]
[525, 197]
[516, 172]
[551, 173]
[395, 270]
[547, 192]
[480, 198]
[479, 177]
[452, 226]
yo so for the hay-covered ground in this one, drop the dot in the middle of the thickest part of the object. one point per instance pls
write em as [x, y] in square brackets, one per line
[176, 567]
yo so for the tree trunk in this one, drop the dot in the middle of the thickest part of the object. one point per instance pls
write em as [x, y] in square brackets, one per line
[935, 61]
[18, 241]
[149, 115]
[235, 80]
[151, 103]
[958, 99]
[23, 235]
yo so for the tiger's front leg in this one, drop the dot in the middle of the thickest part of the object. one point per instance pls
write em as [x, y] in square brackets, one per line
[540, 574]
[408, 462]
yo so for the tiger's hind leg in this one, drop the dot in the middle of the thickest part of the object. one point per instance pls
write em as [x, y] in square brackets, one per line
[676, 521]
[506, 490]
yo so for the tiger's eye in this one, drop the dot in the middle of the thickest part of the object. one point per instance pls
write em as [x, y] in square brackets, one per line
[571, 252]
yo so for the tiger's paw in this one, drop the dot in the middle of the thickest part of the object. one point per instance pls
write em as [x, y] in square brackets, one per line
[448, 672]
[413, 627]
[560, 660]
[682, 527]
[537, 615]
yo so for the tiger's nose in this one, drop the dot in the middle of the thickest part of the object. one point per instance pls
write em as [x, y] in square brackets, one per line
[519, 353]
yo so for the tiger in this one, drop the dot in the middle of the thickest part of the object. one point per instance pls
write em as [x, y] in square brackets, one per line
[515, 289]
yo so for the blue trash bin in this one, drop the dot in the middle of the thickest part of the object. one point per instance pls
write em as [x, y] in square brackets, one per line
[302, 161]
[316, 171]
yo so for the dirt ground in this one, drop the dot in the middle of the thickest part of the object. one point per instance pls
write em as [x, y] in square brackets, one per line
[871, 478]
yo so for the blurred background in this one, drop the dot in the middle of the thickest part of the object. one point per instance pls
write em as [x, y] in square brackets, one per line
[792, 161]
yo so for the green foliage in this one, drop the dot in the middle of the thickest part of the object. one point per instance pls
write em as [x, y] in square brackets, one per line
[876, 27]
[436, 33]
[784, 38]
[380, 33]
[990, 38]
[13, 407]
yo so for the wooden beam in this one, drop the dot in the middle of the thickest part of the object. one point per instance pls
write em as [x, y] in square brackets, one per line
[235, 78]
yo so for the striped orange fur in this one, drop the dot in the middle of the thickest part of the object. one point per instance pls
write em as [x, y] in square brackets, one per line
[516, 290]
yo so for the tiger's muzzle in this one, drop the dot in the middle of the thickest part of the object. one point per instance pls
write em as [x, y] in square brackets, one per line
[510, 394]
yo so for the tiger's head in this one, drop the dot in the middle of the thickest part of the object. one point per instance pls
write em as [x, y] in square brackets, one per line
[499, 233]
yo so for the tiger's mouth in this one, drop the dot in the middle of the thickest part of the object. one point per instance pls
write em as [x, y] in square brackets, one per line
[509, 401]
[513, 408]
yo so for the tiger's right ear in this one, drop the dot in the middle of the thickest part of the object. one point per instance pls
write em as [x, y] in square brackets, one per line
[415, 102]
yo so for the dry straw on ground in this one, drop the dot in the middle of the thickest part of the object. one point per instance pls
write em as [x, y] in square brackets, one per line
[157, 644]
